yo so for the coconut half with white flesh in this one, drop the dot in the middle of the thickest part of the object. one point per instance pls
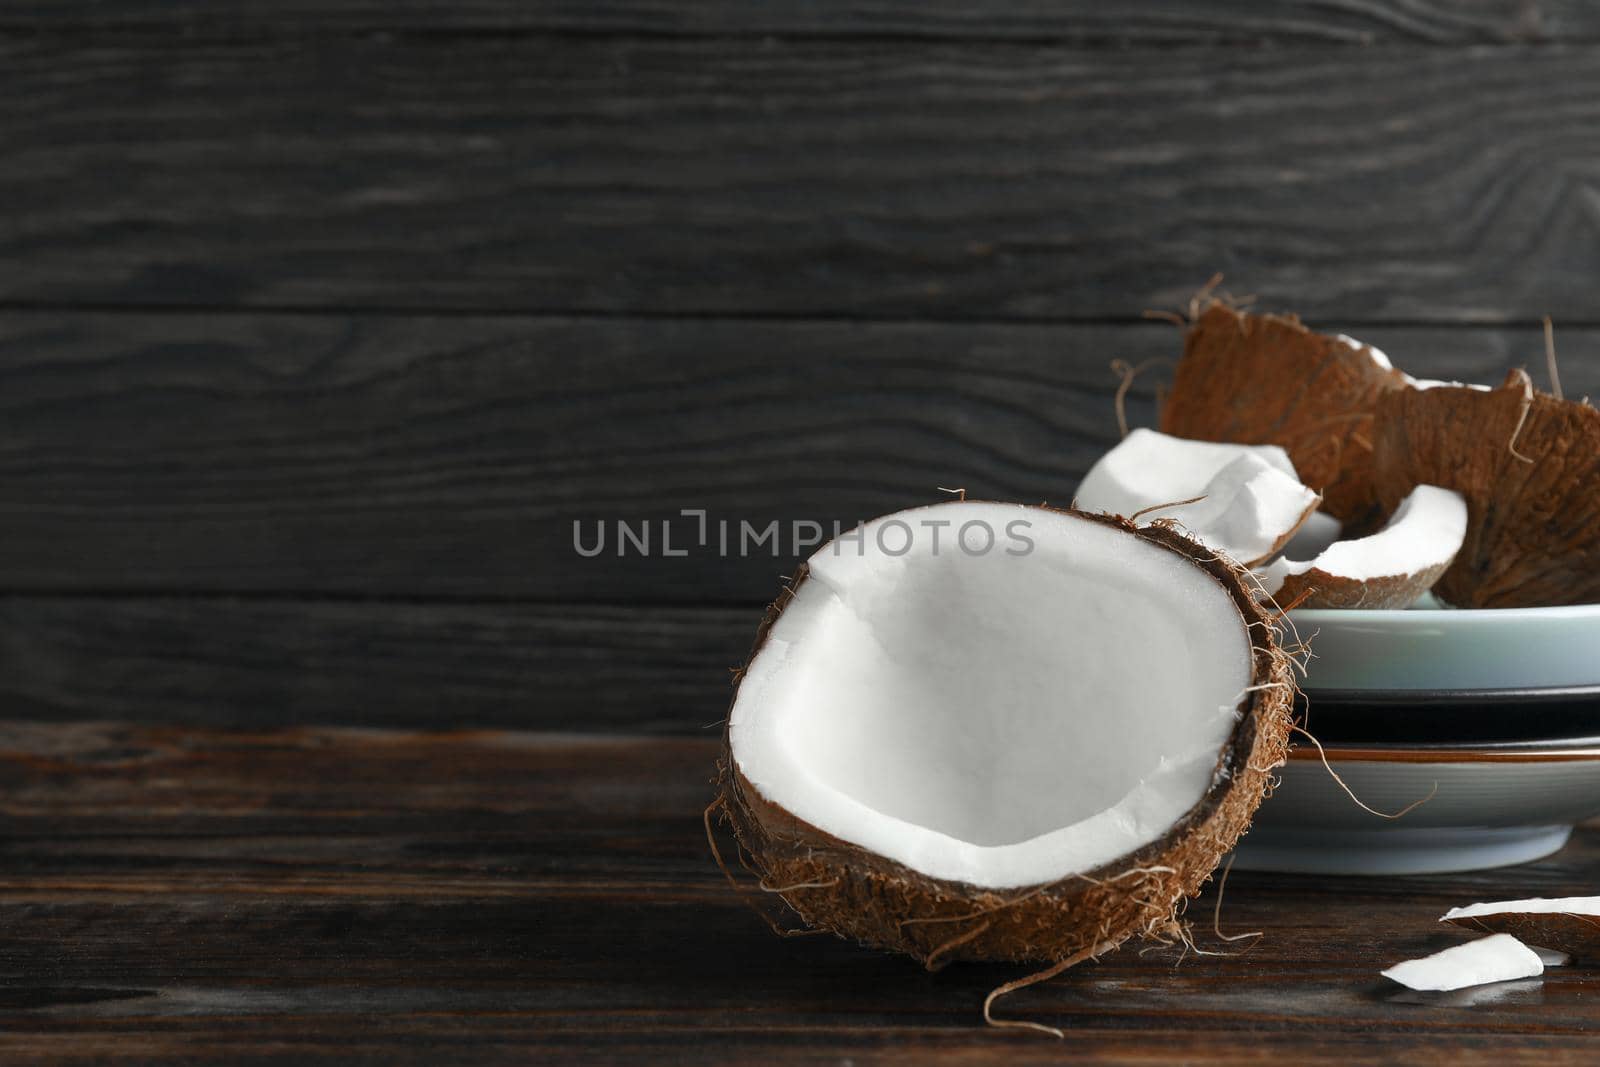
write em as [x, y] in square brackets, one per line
[1267, 379]
[1500, 958]
[1241, 500]
[1031, 751]
[1528, 464]
[1389, 569]
[1569, 925]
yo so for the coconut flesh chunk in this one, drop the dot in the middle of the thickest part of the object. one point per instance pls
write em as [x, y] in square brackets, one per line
[1500, 958]
[1566, 925]
[1389, 569]
[923, 727]
[1241, 500]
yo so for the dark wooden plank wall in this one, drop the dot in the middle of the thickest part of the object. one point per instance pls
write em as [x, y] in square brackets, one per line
[800, 177]
[1175, 21]
[321, 324]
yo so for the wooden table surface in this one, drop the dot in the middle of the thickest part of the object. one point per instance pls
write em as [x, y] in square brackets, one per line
[344, 895]
[322, 324]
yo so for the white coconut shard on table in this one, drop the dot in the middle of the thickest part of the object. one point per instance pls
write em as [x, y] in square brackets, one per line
[1389, 569]
[1500, 958]
[1242, 500]
[1001, 719]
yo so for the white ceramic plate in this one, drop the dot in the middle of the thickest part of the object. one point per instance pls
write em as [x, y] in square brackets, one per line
[1505, 648]
[1491, 805]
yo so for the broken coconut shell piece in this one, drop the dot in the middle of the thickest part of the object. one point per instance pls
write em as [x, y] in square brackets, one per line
[1500, 958]
[1389, 569]
[1266, 379]
[1007, 755]
[1528, 465]
[1569, 925]
[1240, 500]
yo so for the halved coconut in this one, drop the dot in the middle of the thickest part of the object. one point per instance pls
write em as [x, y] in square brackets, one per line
[1024, 739]
[1241, 500]
[1389, 569]
[1500, 958]
[1569, 925]
[1528, 465]
[1266, 379]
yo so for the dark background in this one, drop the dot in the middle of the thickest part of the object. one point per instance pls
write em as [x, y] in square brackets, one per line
[323, 322]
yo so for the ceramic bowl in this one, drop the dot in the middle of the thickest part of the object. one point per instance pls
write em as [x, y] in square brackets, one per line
[1494, 715]
[1444, 649]
[1488, 804]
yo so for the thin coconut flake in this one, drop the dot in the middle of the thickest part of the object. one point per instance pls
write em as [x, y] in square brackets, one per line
[1498, 958]
[1435, 383]
[1557, 926]
[1427, 530]
[995, 719]
[1240, 500]
[1531, 906]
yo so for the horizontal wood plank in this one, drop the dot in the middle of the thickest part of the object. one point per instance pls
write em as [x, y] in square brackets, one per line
[561, 174]
[317, 894]
[1142, 21]
[448, 456]
[266, 663]
[451, 456]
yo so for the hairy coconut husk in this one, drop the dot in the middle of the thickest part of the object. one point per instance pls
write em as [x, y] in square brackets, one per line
[836, 886]
[1528, 465]
[1267, 379]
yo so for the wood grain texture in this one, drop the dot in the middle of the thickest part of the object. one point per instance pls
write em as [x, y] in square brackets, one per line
[1142, 21]
[269, 663]
[324, 895]
[450, 456]
[843, 178]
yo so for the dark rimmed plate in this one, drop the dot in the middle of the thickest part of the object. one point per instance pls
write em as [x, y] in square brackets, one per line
[1451, 716]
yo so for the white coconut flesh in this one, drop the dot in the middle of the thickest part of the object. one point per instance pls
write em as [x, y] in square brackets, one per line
[1425, 531]
[1383, 361]
[1249, 502]
[1003, 719]
[1498, 958]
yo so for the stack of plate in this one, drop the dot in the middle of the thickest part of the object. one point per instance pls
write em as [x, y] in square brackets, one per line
[1493, 716]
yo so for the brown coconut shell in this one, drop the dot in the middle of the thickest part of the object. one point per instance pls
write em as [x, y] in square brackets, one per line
[836, 886]
[1267, 379]
[1576, 935]
[1528, 465]
[1318, 588]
